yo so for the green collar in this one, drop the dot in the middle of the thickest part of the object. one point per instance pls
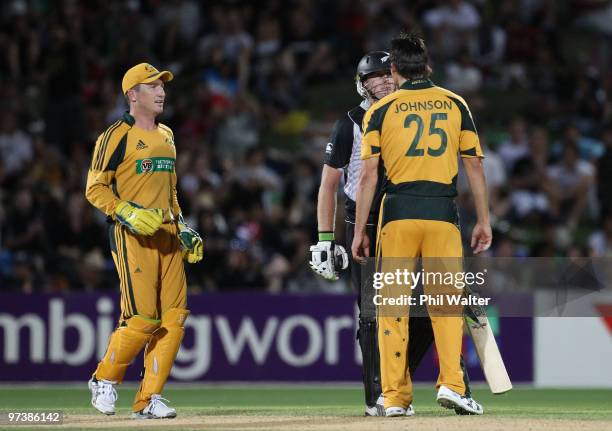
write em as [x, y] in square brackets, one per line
[417, 84]
[127, 118]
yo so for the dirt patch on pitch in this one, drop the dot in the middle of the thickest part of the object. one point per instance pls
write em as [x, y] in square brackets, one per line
[331, 423]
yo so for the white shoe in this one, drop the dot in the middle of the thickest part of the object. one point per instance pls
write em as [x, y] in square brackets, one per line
[410, 410]
[156, 409]
[452, 400]
[395, 411]
[377, 409]
[103, 395]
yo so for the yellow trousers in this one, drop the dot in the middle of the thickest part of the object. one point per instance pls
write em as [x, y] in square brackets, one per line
[153, 308]
[410, 239]
[151, 271]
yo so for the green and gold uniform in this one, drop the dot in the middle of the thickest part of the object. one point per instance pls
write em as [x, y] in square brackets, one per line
[137, 165]
[418, 133]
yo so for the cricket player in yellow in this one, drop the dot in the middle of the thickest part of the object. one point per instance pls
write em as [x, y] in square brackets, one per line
[132, 180]
[418, 132]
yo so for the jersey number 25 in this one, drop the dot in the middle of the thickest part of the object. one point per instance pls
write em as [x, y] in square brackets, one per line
[413, 150]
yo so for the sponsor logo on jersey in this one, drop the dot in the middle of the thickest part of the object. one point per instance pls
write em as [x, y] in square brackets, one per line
[146, 165]
[141, 145]
[329, 148]
[155, 164]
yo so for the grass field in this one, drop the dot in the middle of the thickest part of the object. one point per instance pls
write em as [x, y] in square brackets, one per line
[307, 407]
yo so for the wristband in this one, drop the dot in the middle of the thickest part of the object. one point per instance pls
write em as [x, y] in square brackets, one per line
[326, 236]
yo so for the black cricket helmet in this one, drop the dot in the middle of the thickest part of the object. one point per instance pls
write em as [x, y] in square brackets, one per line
[372, 62]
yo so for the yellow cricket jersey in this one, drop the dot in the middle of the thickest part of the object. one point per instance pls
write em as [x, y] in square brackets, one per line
[133, 164]
[418, 131]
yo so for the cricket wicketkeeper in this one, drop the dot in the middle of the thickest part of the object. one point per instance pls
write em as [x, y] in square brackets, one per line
[132, 179]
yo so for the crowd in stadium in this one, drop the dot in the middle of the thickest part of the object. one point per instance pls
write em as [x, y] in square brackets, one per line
[257, 88]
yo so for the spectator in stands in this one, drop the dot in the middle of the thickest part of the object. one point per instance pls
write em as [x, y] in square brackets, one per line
[600, 241]
[604, 172]
[453, 25]
[462, 76]
[574, 180]
[16, 147]
[516, 146]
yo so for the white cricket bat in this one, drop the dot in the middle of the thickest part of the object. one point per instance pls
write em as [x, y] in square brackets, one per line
[490, 359]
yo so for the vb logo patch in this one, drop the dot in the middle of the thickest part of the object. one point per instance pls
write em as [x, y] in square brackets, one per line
[146, 165]
[155, 164]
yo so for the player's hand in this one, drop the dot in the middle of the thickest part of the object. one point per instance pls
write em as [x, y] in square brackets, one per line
[361, 247]
[139, 220]
[191, 242]
[481, 237]
[327, 258]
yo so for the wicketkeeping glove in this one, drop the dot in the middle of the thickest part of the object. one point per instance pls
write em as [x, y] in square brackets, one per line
[139, 220]
[327, 258]
[191, 242]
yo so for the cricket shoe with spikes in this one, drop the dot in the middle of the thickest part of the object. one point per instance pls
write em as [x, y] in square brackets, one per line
[156, 409]
[462, 405]
[393, 412]
[103, 395]
[399, 411]
[377, 409]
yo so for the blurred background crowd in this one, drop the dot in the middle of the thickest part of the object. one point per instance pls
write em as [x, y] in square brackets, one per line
[258, 86]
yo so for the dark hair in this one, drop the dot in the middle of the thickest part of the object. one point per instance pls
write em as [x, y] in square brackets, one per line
[409, 54]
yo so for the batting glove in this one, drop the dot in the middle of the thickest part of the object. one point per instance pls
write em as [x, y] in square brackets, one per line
[139, 220]
[327, 258]
[191, 242]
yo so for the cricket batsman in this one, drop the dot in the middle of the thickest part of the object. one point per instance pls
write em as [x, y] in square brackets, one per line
[132, 179]
[418, 132]
[342, 157]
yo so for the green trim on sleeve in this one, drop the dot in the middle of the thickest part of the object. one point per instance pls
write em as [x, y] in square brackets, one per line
[470, 152]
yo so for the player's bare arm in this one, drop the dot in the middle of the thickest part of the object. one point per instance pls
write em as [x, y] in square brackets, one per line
[327, 257]
[326, 204]
[481, 234]
[365, 194]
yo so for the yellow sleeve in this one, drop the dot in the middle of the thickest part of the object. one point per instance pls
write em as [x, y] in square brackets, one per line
[469, 143]
[176, 208]
[108, 153]
[370, 142]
